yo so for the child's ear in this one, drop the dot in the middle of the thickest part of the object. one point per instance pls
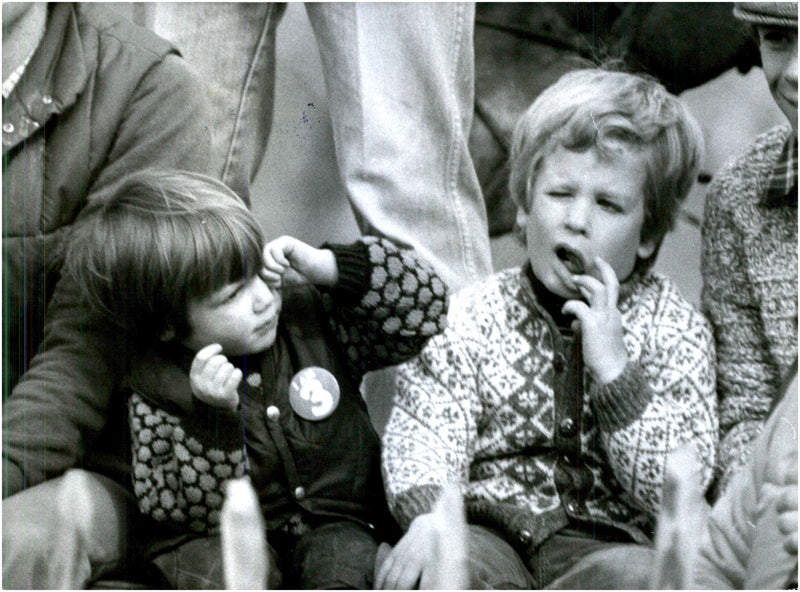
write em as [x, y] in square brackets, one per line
[168, 334]
[647, 246]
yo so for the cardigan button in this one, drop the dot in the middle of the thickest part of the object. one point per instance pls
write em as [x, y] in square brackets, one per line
[273, 413]
[47, 99]
[299, 493]
[567, 428]
[8, 127]
[525, 537]
[559, 363]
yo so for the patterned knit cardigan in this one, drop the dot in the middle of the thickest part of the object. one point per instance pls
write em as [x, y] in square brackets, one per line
[749, 267]
[476, 408]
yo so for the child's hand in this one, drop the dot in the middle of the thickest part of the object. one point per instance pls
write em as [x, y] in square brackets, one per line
[214, 379]
[405, 565]
[289, 261]
[601, 323]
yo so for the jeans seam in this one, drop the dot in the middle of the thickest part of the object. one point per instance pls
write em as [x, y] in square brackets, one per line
[249, 77]
[455, 153]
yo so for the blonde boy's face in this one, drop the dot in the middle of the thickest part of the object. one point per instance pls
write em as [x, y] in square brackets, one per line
[242, 317]
[778, 48]
[584, 206]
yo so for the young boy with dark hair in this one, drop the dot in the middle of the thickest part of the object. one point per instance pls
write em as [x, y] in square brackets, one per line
[249, 362]
[558, 389]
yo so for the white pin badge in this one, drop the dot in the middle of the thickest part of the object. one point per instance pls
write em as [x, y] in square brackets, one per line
[314, 393]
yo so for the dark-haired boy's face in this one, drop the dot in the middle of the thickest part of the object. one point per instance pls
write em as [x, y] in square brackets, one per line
[778, 47]
[242, 317]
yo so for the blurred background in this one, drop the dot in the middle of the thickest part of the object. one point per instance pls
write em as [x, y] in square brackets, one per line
[298, 192]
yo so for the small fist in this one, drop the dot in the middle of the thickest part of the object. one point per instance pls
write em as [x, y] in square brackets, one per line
[289, 261]
[214, 380]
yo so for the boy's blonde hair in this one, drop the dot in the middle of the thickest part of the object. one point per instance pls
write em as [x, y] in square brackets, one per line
[163, 238]
[599, 108]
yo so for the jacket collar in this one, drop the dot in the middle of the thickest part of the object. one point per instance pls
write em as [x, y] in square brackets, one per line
[56, 75]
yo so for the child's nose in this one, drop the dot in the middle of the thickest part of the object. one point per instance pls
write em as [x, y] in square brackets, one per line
[577, 215]
[262, 294]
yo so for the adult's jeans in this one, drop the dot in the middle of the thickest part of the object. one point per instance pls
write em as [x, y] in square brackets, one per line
[400, 86]
[568, 560]
[231, 46]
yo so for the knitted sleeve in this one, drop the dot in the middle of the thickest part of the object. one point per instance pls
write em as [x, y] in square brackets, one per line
[747, 374]
[180, 465]
[428, 439]
[387, 304]
[664, 398]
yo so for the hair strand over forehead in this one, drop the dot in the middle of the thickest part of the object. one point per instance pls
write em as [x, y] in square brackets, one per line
[162, 239]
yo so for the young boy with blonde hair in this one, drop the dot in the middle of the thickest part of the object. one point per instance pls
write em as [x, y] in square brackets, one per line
[559, 388]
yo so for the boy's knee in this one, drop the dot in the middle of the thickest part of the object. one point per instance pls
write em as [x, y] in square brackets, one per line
[617, 567]
[494, 564]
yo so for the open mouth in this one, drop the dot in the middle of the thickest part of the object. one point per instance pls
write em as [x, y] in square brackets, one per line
[571, 259]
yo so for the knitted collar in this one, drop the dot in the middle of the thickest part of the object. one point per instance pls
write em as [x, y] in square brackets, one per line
[782, 187]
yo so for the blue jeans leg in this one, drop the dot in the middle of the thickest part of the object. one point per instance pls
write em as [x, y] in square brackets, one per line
[568, 561]
[231, 46]
[493, 563]
[336, 555]
[400, 86]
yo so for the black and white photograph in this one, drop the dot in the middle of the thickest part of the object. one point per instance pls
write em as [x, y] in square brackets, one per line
[399, 295]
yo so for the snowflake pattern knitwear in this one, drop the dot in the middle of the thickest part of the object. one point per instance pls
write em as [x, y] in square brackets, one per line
[477, 407]
[749, 268]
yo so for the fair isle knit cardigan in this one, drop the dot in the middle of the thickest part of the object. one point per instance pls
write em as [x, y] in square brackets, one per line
[477, 408]
[749, 268]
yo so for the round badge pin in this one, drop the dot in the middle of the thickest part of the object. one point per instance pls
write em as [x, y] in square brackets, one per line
[314, 393]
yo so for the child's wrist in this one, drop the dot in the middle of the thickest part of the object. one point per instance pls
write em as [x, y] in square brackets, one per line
[329, 268]
[608, 372]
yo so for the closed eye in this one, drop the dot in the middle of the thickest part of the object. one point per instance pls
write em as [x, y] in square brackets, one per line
[610, 206]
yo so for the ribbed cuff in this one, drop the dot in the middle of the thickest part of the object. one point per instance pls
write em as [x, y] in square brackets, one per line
[354, 268]
[414, 502]
[622, 401]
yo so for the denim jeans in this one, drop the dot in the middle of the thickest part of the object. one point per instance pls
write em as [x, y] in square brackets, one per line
[335, 555]
[400, 86]
[74, 530]
[568, 560]
[231, 46]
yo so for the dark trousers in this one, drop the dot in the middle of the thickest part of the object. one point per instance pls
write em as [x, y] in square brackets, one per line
[331, 555]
